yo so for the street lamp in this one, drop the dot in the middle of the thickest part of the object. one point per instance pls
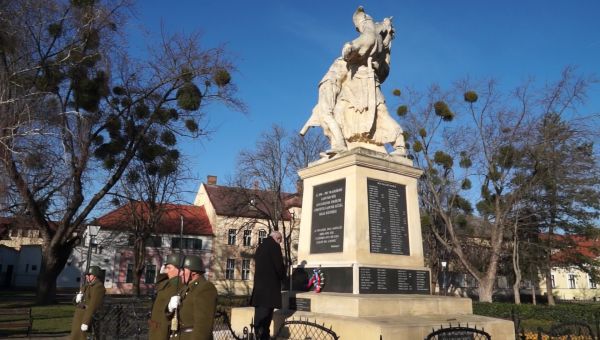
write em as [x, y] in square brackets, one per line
[444, 264]
[92, 231]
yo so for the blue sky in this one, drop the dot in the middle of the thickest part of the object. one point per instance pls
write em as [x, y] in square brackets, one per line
[283, 48]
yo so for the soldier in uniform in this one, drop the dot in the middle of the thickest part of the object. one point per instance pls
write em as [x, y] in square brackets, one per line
[168, 285]
[197, 302]
[87, 301]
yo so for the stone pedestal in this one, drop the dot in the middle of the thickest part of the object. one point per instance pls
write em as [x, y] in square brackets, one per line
[361, 225]
[361, 229]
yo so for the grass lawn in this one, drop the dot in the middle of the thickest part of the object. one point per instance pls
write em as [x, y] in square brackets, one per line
[50, 319]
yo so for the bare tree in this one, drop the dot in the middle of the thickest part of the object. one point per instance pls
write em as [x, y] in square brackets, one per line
[267, 176]
[77, 109]
[487, 143]
[147, 188]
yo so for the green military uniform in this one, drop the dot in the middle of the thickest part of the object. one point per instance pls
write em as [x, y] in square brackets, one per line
[93, 294]
[159, 324]
[197, 310]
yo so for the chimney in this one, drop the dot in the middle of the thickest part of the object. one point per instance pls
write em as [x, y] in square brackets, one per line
[211, 180]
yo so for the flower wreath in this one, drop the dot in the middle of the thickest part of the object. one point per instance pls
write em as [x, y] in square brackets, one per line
[317, 280]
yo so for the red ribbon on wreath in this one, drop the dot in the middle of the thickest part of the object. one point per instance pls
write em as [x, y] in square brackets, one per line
[317, 280]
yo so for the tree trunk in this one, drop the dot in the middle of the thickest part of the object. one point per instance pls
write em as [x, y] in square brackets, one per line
[139, 251]
[486, 290]
[517, 291]
[533, 300]
[137, 276]
[54, 259]
[551, 301]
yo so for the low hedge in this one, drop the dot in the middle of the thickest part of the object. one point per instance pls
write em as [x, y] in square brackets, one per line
[562, 312]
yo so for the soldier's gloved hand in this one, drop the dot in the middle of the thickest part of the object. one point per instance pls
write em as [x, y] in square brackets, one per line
[84, 327]
[163, 269]
[78, 297]
[173, 303]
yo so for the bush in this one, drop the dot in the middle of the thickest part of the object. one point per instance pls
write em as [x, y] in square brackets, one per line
[538, 315]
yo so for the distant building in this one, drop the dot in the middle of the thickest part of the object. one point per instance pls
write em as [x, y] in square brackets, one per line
[224, 226]
[112, 249]
[240, 219]
[20, 253]
[16, 232]
[570, 282]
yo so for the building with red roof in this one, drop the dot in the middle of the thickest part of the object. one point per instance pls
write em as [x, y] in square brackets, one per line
[223, 226]
[569, 280]
[180, 228]
[241, 219]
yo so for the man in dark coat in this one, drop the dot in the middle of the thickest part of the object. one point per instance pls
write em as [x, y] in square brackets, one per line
[268, 274]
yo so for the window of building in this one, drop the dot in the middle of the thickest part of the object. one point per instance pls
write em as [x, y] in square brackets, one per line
[262, 234]
[592, 283]
[231, 236]
[230, 269]
[150, 273]
[186, 243]
[33, 267]
[572, 281]
[247, 238]
[129, 277]
[27, 268]
[552, 282]
[245, 269]
[154, 242]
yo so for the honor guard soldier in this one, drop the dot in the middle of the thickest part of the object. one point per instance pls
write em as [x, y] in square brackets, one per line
[87, 302]
[167, 285]
[197, 303]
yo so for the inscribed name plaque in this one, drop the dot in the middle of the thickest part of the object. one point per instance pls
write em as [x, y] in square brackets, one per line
[388, 221]
[299, 304]
[392, 281]
[327, 232]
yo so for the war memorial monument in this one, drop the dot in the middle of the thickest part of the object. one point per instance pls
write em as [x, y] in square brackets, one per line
[360, 226]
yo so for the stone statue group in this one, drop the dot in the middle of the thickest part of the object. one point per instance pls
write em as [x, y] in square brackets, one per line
[351, 108]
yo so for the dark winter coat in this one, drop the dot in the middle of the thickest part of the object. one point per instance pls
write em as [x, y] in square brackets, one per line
[268, 275]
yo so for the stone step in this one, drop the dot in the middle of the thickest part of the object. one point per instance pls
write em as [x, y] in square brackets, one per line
[367, 305]
[404, 327]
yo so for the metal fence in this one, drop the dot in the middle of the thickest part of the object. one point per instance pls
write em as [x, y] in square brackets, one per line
[304, 329]
[568, 330]
[127, 319]
[122, 319]
[458, 333]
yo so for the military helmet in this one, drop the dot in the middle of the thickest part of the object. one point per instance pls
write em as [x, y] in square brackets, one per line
[174, 259]
[193, 263]
[94, 270]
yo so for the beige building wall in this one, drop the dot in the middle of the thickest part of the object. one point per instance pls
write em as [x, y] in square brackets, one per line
[571, 284]
[18, 237]
[233, 264]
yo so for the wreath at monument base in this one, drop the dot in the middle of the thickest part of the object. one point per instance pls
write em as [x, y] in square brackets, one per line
[317, 281]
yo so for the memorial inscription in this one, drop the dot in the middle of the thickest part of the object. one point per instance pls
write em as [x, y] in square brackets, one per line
[393, 281]
[388, 220]
[327, 229]
[299, 304]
